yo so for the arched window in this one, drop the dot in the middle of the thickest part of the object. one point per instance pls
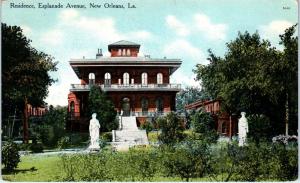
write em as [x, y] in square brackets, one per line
[91, 78]
[159, 105]
[144, 79]
[159, 78]
[123, 52]
[144, 103]
[126, 79]
[107, 79]
[128, 52]
[72, 109]
[224, 127]
[119, 52]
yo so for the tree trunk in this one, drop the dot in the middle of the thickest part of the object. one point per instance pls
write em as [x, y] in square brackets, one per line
[230, 126]
[25, 122]
[287, 114]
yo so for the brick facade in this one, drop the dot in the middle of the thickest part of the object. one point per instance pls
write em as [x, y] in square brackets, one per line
[225, 124]
[138, 86]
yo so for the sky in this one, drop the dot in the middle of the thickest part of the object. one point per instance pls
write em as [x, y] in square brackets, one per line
[164, 28]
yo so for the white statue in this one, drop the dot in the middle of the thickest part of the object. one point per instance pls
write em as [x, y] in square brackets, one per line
[243, 129]
[94, 129]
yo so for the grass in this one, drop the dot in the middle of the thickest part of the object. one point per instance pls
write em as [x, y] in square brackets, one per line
[47, 169]
[35, 168]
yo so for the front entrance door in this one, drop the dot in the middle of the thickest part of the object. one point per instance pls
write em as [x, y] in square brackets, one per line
[126, 107]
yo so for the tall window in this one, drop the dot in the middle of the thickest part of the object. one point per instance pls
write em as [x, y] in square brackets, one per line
[72, 107]
[107, 79]
[91, 78]
[119, 52]
[224, 127]
[159, 78]
[123, 52]
[126, 79]
[144, 79]
[159, 105]
[144, 103]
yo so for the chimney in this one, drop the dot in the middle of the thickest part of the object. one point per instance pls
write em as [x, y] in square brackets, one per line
[99, 54]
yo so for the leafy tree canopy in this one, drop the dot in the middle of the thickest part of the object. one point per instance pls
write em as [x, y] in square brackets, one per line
[253, 76]
[189, 95]
[25, 73]
[99, 103]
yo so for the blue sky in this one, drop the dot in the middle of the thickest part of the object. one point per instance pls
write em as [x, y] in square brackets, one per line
[171, 28]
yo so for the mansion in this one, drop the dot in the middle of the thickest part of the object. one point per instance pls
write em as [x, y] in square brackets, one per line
[138, 86]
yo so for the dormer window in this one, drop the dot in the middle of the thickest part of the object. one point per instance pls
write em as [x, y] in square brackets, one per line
[128, 52]
[124, 49]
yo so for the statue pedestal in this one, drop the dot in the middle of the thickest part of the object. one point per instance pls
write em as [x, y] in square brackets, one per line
[94, 147]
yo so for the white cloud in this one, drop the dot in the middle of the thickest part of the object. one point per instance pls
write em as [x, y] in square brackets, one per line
[53, 37]
[275, 28]
[100, 28]
[183, 49]
[179, 27]
[68, 15]
[190, 56]
[186, 79]
[26, 29]
[140, 35]
[103, 28]
[210, 30]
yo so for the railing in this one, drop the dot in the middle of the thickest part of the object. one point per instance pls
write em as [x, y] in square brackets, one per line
[149, 114]
[113, 87]
[74, 116]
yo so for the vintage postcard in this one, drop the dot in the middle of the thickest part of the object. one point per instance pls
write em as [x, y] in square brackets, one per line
[149, 90]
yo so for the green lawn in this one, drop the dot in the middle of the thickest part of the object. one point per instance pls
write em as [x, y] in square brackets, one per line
[35, 168]
[47, 169]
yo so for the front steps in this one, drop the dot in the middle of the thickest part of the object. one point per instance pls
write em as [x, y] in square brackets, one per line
[128, 135]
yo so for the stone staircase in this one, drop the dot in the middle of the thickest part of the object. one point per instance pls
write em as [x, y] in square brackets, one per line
[128, 135]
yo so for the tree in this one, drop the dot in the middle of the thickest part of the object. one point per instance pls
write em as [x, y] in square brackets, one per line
[189, 95]
[289, 75]
[99, 103]
[204, 124]
[171, 127]
[253, 76]
[52, 126]
[25, 76]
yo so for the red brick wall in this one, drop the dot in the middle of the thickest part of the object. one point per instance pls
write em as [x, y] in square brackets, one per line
[117, 73]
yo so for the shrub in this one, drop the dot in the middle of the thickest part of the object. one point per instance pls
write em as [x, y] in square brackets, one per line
[85, 167]
[36, 147]
[286, 167]
[188, 159]
[203, 123]
[285, 139]
[148, 126]
[10, 155]
[106, 136]
[78, 139]
[260, 128]
[255, 162]
[171, 128]
[63, 142]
